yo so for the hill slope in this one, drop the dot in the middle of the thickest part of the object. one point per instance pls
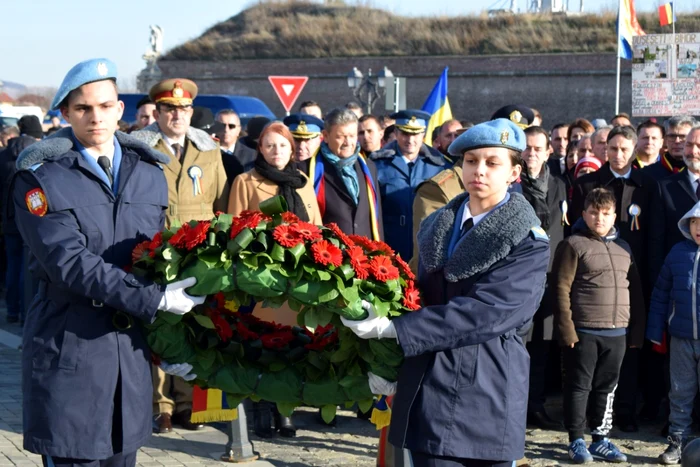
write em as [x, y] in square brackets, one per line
[310, 30]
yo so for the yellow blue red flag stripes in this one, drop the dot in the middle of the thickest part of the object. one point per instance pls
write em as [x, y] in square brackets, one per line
[666, 14]
[437, 106]
[627, 28]
[210, 405]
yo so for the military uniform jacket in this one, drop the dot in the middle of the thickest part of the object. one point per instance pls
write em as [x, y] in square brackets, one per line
[203, 152]
[462, 389]
[397, 184]
[431, 195]
[87, 385]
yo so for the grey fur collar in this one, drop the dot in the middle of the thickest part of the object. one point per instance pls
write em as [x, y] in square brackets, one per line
[488, 242]
[60, 143]
[392, 149]
[151, 135]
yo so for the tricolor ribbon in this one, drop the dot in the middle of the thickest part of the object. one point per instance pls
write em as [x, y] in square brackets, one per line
[666, 163]
[634, 211]
[564, 211]
[195, 174]
[210, 405]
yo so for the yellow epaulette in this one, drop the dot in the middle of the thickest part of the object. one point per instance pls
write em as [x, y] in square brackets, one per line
[443, 176]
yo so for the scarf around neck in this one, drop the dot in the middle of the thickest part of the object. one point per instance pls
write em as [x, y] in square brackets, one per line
[535, 192]
[288, 180]
[346, 169]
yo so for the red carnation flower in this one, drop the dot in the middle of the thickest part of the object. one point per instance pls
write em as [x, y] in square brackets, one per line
[308, 231]
[411, 297]
[383, 269]
[139, 251]
[220, 301]
[287, 236]
[277, 340]
[289, 217]
[364, 242]
[358, 261]
[179, 238]
[340, 234]
[326, 253]
[197, 235]
[223, 329]
[155, 243]
[404, 267]
[382, 248]
[245, 333]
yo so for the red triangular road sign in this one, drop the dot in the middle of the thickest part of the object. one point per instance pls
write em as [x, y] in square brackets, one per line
[288, 88]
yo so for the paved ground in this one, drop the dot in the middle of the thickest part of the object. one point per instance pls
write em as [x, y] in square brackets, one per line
[352, 443]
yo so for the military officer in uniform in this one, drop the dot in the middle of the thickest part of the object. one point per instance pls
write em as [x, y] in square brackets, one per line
[306, 130]
[401, 166]
[197, 189]
[82, 199]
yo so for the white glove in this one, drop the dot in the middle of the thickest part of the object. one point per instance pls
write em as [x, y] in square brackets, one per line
[180, 369]
[380, 386]
[176, 300]
[372, 327]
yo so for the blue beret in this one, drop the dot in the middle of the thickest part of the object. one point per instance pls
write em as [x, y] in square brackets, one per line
[96, 69]
[303, 126]
[499, 133]
[411, 120]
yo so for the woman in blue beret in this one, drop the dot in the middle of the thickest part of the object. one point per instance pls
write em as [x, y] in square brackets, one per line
[461, 395]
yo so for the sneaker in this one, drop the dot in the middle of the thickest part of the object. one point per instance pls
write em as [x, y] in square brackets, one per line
[607, 451]
[672, 454]
[578, 452]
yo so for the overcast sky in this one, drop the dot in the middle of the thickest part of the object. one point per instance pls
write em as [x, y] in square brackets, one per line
[42, 39]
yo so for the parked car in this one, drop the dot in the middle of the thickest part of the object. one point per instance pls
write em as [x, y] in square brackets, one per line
[246, 107]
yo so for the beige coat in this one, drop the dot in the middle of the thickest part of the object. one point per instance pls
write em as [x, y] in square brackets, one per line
[248, 191]
[201, 151]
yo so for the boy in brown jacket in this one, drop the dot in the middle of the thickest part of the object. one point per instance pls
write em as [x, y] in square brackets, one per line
[599, 312]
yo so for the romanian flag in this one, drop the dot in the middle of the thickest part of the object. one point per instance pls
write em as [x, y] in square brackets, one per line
[437, 106]
[666, 14]
[209, 405]
[627, 28]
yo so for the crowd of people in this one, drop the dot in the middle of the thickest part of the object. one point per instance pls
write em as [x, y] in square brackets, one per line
[562, 258]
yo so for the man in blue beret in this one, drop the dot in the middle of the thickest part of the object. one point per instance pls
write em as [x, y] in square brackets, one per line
[306, 130]
[83, 198]
[401, 166]
[461, 396]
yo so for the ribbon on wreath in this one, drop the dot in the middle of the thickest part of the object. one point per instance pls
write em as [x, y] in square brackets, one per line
[210, 405]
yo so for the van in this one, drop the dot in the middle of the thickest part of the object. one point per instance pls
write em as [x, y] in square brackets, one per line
[246, 107]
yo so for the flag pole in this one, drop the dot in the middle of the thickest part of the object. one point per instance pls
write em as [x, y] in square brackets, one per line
[617, 80]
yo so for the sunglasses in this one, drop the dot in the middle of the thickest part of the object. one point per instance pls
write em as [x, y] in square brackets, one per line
[231, 126]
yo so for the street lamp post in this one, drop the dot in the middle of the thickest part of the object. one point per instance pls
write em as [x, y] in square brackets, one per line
[367, 89]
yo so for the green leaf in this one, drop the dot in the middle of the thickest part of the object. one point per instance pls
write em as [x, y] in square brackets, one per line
[295, 253]
[381, 308]
[311, 319]
[206, 359]
[323, 317]
[170, 254]
[260, 282]
[274, 205]
[170, 318]
[277, 252]
[260, 243]
[346, 271]
[242, 240]
[204, 321]
[223, 223]
[323, 275]
[234, 400]
[365, 405]
[286, 408]
[328, 413]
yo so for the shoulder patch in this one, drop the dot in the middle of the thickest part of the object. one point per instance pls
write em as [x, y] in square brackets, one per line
[443, 176]
[36, 202]
[538, 233]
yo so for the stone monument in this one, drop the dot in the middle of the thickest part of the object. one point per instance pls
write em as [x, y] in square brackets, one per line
[151, 74]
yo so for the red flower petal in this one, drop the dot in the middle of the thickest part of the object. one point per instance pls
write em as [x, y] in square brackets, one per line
[139, 251]
[326, 253]
[411, 297]
[286, 236]
[340, 234]
[383, 269]
[405, 268]
[179, 238]
[358, 261]
[197, 235]
[307, 231]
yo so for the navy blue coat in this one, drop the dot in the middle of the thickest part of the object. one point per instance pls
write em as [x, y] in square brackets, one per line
[398, 187]
[87, 385]
[462, 390]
